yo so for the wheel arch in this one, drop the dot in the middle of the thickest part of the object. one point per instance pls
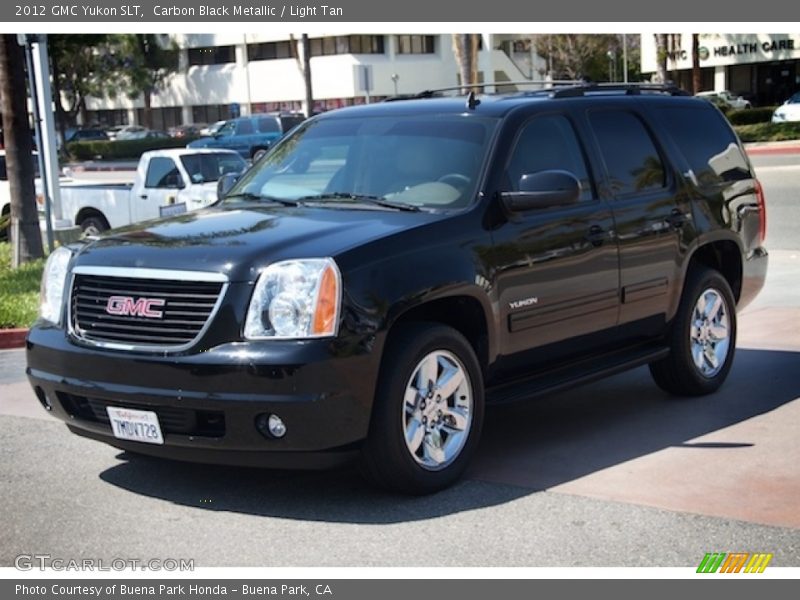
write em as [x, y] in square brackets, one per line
[463, 312]
[724, 256]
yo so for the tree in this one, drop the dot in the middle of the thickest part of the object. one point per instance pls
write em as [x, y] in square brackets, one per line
[661, 58]
[25, 234]
[144, 62]
[81, 66]
[465, 49]
[579, 56]
[697, 79]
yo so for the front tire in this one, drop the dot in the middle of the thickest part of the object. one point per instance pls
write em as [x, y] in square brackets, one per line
[702, 337]
[428, 411]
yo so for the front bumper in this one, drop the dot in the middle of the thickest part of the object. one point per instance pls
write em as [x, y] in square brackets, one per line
[208, 402]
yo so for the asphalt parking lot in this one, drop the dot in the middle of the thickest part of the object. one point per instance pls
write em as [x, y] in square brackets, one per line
[612, 474]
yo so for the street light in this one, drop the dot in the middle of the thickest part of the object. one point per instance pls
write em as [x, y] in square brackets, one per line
[395, 79]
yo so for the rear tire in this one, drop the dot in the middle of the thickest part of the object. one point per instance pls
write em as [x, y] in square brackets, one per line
[428, 411]
[702, 337]
[93, 225]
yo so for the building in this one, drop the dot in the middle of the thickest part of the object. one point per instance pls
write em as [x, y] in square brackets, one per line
[764, 68]
[222, 75]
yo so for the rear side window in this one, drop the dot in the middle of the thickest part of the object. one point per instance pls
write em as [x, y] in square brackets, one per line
[548, 143]
[632, 161]
[268, 125]
[707, 142]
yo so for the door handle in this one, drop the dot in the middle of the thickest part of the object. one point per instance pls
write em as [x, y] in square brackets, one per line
[677, 218]
[143, 196]
[596, 235]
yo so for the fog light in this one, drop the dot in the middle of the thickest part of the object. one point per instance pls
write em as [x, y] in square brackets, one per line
[271, 425]
[276, 426]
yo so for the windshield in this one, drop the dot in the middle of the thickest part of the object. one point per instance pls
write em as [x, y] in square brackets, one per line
[422, 162]
[205, 168]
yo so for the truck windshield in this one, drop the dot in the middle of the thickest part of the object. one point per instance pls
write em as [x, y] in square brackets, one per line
[209, 167]
[417, 161]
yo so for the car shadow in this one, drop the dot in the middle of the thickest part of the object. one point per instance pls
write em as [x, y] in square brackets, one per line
[555, 439]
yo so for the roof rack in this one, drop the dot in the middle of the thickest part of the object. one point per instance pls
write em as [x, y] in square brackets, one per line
[566, 88]
[432, 93]
[631, 89]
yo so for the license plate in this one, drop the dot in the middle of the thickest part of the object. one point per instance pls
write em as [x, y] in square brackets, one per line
[136, 425]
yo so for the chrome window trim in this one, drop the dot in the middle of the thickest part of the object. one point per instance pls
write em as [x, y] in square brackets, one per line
[139, 273]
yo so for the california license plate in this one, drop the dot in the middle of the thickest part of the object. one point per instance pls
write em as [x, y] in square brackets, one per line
[136, 425]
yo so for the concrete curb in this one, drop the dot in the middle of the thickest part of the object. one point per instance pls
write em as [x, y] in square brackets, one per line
[12, 338]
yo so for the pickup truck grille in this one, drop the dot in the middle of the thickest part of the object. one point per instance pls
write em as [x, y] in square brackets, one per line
[141, 312]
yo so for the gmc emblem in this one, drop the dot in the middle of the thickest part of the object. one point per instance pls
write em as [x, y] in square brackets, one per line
[143, 307]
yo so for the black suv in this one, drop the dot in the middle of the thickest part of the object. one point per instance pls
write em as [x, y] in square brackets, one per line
[387, 270]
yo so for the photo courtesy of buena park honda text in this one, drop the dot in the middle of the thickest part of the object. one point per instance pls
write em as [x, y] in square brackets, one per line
[370, 299]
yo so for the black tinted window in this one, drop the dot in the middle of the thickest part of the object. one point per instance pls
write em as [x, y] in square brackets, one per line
[268, 125]
[548, 143]
[245, 127]
[203, 168]
[631, 158]
[708, 144]
[162, 172]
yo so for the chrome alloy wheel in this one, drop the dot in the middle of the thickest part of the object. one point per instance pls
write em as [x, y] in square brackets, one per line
[710, 333]
[437, 411]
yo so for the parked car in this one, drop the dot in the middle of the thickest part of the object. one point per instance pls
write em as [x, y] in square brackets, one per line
[212, 128]
[725, 99]
[250, 136]
[387, 270]
[87, 135]
[132, 132]
[788, 111]
[173, 181]
[183, 131]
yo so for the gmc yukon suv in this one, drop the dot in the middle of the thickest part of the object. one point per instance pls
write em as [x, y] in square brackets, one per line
[388, 270]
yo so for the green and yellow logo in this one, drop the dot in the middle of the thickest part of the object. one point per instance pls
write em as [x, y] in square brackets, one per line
[734, 562]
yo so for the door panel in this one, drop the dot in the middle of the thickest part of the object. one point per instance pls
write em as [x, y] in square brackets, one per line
[556, 268]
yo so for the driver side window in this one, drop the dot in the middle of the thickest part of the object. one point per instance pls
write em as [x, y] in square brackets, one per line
[547, 143]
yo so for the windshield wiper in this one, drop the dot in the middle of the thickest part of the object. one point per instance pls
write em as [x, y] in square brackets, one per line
[376, 200]
[262, 198]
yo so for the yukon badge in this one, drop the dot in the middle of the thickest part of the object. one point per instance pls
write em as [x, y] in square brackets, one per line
[125, 306]
[524, 302]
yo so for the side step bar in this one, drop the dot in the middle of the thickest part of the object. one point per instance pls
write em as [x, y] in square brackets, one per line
[563, 377]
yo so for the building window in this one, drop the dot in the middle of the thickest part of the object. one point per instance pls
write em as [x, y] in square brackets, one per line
[269, 51]
[415, 44]
[161, 119]
[347, 44]
[210, 113]
[212, 55]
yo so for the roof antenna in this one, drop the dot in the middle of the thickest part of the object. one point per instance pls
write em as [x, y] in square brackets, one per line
[472, 101]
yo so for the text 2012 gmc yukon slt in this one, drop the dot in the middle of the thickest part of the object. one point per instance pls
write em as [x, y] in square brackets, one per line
[387, 270]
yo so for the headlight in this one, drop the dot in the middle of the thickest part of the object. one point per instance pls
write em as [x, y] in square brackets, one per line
[54, 279]
[295, 299]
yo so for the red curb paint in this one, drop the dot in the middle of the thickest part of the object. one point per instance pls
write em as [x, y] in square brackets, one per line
[774, 150]
[12, 338]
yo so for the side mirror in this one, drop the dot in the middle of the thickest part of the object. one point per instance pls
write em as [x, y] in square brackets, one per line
[225, 183]
[544, 189]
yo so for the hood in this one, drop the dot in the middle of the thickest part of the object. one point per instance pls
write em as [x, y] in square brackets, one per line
[241, 241]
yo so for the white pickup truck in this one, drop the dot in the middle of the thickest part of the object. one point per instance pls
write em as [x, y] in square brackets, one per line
[167, 182]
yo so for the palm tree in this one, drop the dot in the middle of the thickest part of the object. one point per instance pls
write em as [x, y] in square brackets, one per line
[465, 49]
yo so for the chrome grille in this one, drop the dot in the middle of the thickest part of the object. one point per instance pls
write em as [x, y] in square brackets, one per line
[183, 306]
